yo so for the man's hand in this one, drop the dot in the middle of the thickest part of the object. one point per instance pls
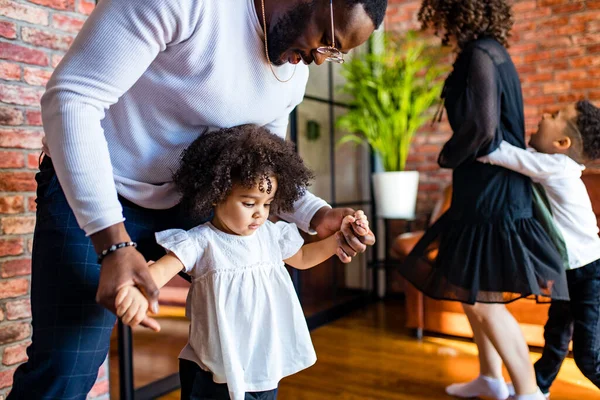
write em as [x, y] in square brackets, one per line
[124, 267]
[327, 221]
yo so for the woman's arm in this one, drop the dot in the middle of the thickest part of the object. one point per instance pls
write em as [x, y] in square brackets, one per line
[480, 106]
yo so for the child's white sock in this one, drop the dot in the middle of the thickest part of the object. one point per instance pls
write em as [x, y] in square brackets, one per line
[480, 386]
[533, 396]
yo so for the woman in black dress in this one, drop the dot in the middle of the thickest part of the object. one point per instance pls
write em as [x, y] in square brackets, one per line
[491, 249]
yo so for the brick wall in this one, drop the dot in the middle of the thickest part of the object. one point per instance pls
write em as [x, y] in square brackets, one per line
[34, 35]
[556, 48]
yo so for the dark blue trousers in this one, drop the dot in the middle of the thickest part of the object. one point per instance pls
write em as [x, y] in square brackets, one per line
[71, 332]
[578, 319]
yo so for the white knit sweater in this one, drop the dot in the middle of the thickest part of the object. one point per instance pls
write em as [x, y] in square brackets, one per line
[141, 81]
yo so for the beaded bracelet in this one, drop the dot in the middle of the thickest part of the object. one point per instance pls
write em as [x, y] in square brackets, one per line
[114, 248]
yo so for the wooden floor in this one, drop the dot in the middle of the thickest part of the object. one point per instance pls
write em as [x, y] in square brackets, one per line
[365, 356]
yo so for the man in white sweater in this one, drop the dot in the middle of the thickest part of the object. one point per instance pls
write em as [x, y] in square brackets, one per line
[141, 81]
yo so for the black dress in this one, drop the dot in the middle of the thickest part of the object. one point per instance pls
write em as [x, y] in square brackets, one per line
[491, 248]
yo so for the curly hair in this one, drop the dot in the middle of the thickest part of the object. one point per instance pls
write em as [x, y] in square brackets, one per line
[467, 20]
[588, 124]
[246, 155]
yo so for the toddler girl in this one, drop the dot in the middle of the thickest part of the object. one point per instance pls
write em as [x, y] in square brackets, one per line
[247, 328]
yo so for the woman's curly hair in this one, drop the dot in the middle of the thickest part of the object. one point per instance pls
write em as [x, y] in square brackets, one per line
[467, 20]
[245, 155]
[588, 124]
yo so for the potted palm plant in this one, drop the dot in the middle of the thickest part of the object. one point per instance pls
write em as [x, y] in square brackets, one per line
[392, 91]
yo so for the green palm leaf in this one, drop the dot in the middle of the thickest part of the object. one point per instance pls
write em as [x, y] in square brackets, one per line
[392, 93]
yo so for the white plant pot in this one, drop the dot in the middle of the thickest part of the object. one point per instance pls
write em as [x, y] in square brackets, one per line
[396, 194]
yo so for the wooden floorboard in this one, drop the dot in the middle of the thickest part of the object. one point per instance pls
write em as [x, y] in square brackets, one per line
[365, 356]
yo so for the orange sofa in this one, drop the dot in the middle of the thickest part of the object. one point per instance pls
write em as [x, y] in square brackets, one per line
[446, 317]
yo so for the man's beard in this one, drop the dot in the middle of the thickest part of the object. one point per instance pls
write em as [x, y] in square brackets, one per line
[284, 33]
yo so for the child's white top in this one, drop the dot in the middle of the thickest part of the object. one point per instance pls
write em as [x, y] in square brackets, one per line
[570, 203]
[247, 326]
[142, 80]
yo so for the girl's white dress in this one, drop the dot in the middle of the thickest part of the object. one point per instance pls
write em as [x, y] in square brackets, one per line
[247, 326]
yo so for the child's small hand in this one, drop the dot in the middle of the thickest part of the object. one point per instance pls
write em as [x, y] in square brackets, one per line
[132, 307]
[361, 223]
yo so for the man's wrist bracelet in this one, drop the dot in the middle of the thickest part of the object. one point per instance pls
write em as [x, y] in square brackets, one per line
[114, 248]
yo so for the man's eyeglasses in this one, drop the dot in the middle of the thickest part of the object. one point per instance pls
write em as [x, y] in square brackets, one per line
[331, 52]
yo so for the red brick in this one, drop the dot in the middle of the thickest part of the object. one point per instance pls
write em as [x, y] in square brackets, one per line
[33, 117]
[36, 76]
[18, 309]
[13, 52]
[538, 56]
[17, 182]
[30, 245]
[6, 378]
[589, 16]
[523, 48]
[588, 38]
[524, 69]
[67, 23]
[21, 95]
[44, 38]
[541, 77]
[11, 204]
[15, 354]
[21, 138]
[561, 87]
[535, 14]
[33, 160]
[13, 288]
[23, 12]
[68, 5]
[555, 65]
[540, 100]
[10, 333]
[31, 204]
[11, 247]
[549, 2]
[568, 97]
[1, 315]
[567, 8]
[85, 7]
[8, 30]
[585, 84]
[569, 52]
[56, 59]
[593, 4]
[594, 49]
[17, 225]
[524, 6]
[556, 21]
[594, 95]
[11, 159]
[10, 116]
[556, 42]
[99, 389]
[571, 75]
[16, 267]
[10, 71]
[586, 61]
